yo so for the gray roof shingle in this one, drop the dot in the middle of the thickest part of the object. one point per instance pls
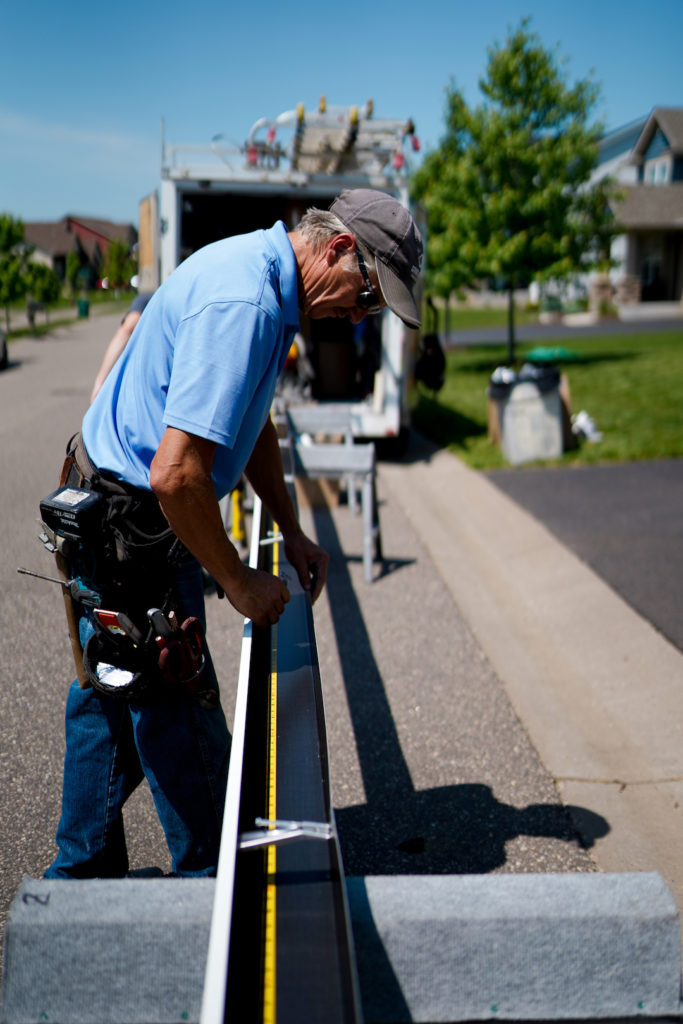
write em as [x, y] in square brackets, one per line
[650, 206]
[670, 120]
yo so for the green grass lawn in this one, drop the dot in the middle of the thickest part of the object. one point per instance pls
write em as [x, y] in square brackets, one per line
[461, 318]
[63, 312]
[631, 385]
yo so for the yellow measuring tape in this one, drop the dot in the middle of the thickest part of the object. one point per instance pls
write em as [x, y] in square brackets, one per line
[270, 935]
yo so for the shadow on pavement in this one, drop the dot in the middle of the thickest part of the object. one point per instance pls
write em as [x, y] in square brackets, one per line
[456, 829]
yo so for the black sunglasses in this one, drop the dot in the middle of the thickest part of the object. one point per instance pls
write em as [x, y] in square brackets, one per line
[367, 300]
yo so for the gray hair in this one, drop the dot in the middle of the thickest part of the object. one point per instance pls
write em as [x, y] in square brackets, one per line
[320, 226]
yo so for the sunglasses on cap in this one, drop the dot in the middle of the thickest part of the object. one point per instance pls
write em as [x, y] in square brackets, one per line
[367, 300]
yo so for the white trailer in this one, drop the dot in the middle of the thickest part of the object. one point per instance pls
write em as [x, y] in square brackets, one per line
[297, 160]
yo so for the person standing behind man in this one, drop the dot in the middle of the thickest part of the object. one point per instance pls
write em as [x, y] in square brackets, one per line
[120, 339]
[180, 416]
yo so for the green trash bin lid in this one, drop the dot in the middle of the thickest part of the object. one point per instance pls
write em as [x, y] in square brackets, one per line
[542, 354]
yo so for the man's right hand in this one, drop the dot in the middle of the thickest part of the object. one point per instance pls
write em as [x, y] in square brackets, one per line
[258, 595]
[180, 477]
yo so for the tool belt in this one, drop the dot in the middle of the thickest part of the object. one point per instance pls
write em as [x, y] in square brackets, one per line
[125, 560]
[133, 516]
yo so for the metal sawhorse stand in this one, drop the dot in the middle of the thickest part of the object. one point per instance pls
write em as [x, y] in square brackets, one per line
[338, 461]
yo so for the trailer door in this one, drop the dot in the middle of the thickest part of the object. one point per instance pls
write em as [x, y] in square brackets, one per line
[148, 243]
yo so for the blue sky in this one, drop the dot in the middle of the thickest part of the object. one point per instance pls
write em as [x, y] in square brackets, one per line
[84, 86]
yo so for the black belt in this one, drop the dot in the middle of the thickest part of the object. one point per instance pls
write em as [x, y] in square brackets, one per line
[99, 480]
[138, 507]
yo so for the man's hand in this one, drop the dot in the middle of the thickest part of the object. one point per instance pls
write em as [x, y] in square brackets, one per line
[309, 560]
[181, 479]
[264, 473]
[258, 595]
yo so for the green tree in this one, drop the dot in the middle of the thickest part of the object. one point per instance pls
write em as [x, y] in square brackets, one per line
[11, 233]
[43, 284]
[74, 263]
[13, 255]
[118, 266]
[506, 192]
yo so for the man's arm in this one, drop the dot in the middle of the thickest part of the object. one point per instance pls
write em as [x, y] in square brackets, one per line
[265, 474]
[181, 479]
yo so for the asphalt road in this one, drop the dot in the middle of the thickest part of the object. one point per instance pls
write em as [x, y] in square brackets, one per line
[432, 770]
[624, 521]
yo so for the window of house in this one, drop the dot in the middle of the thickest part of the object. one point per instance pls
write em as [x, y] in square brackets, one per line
[657, 172]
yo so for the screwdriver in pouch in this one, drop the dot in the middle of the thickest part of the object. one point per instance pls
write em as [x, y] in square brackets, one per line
[77, 588]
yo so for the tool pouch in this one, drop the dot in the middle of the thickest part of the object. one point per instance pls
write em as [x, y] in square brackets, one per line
[118, 669]
[129, 554]
[134, 527]
[124, 549]
[115, 665]
[60, 546]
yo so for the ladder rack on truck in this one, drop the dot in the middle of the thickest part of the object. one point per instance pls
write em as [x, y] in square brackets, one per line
[287, 164]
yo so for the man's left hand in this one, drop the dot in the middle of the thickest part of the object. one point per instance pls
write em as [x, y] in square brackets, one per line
[309, 560]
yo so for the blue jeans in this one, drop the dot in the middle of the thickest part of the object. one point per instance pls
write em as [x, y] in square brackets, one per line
[181, 748]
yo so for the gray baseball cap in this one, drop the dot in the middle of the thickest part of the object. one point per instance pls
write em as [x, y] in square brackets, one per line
[391, 235]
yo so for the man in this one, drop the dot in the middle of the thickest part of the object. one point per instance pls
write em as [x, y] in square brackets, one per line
[182, 414]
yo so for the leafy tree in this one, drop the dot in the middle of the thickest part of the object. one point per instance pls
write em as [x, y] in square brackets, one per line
[117, 265]
[13, 255]
[12, 282]
[506, 192]
[43, 284]
[11, 233]
[74, 263]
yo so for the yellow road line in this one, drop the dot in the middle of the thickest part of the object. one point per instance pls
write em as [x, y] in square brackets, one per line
[270, 933]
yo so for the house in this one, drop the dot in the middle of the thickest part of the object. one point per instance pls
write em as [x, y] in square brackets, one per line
[645, 159]
[615, 150]
[88, 236]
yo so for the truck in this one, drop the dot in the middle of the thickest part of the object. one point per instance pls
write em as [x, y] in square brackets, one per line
[361, 376]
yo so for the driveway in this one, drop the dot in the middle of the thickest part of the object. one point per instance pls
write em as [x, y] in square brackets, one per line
[622, 520]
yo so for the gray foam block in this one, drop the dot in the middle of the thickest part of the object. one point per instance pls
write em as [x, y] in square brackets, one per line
[429, 948]
[516, 947]
[131, 951]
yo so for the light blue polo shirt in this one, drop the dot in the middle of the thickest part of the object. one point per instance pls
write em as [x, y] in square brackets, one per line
[204, 357]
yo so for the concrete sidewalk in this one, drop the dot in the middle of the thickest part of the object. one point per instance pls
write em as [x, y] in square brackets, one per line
[598, 690]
